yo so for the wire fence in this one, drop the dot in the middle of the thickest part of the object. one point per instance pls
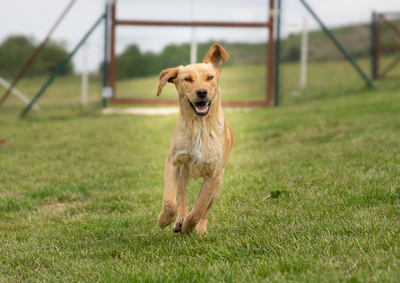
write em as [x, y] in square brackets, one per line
[25, 25]
[326, 72]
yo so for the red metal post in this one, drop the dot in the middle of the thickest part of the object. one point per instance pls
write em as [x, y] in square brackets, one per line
[270, 54]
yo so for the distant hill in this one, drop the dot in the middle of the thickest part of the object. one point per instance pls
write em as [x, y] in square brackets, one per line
[355, 38]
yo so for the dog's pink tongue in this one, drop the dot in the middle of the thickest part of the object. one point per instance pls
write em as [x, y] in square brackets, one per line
[201, 106]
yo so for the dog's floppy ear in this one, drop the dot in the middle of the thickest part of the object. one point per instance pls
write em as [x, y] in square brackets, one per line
[167, 76]
[215, 56]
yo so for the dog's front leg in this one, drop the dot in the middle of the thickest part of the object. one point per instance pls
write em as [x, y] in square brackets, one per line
[168, 214]
[203, 203]
[183, 204]
[201, 226]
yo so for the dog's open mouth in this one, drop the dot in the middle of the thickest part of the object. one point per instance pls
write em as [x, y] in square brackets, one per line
[200, 108]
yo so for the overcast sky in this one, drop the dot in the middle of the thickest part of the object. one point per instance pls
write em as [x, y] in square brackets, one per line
[35, 18]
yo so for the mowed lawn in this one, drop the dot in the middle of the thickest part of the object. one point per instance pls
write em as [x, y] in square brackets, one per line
[311, 192]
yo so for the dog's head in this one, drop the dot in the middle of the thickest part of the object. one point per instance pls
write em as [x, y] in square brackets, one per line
[197, 84]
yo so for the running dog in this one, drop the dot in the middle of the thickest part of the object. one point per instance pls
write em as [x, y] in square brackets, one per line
[201, 142]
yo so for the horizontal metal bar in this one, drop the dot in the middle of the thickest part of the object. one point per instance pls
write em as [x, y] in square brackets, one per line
[190, 24]
[390, 48]
[389, 13]
[146, 101]
[390, 78]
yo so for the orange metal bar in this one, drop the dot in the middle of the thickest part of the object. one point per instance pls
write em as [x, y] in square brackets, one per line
[191, 24]
[270, 55]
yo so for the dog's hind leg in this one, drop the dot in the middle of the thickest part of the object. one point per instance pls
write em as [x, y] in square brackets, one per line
[183, 204]
[204, 200]
[168, 214]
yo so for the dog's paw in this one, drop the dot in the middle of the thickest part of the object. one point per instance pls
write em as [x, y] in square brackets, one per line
[187, 226]
[165, 219]
[178, 225]
[201, 227]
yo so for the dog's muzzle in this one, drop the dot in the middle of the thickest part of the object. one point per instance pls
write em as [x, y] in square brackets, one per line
[200, 108]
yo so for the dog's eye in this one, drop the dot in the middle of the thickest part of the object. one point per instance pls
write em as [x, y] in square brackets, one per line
[189, 80]
[210, 78]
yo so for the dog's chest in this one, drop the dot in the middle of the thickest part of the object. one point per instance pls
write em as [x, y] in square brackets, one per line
[201, 151]
[204, 159]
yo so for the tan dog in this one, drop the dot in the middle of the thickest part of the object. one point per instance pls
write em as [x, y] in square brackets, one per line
[201, 142]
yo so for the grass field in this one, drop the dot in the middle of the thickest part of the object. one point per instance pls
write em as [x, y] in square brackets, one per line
[311, 193]
[325, 79]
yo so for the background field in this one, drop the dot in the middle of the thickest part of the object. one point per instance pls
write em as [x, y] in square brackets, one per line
[311, 191]
[238, 82]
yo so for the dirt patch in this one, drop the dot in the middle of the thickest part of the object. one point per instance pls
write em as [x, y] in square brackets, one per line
[8, 193]
[141, 111]
[59, 206]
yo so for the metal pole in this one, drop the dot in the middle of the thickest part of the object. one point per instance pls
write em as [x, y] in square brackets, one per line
[277, 53]
[84, 75]
[378, 47]
[40, 47]
[17, 93]
[373, 46]
[61, 67]
[193, 47]
[105, 65]
[303, 59]
[270, 54]
[112, 64]
[339, 46]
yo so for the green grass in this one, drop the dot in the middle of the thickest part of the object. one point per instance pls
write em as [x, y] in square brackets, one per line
[311, 193]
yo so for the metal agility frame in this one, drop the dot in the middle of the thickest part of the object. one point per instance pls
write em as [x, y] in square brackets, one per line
[270, 57]
[379, 19]
[272, 77]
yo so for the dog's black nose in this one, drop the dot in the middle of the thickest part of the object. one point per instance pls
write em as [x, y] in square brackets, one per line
[201, 93]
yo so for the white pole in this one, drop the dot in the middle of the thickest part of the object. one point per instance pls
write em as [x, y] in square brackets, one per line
[193, 47]
[85, 76]
[303, 58]
[18, 94]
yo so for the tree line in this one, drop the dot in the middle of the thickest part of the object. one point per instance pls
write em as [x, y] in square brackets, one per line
[134, 63]
[16, 50]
